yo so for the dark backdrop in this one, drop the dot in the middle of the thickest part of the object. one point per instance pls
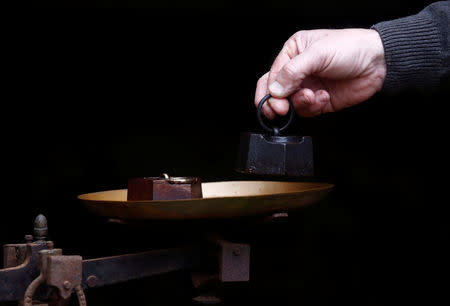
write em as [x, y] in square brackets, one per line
[95, 97]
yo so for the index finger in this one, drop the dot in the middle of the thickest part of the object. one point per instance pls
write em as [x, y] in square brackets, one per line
[288, 52]
[281, 105]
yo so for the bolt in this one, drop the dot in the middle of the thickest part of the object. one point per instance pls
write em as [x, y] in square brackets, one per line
[92, 281]
[67, 285]
[40, 227]
[236, 251]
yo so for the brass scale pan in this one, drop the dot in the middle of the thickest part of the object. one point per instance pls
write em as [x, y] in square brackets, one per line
[221, 200]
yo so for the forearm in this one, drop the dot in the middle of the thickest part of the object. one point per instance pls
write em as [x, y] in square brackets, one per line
[417, 48]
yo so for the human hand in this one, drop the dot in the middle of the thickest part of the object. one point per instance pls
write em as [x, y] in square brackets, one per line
[323, 71]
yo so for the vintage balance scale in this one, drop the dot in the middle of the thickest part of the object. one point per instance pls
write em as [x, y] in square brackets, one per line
[36, 273]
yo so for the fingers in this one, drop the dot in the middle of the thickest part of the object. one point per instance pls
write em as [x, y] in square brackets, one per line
[308, 103]
[289, 51]
[273, 106]
[288, 71]
[279, 106]
[286, 54]
[293, 73]
[261, 91]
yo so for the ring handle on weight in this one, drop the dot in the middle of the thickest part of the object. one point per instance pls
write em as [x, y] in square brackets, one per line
[274, 130]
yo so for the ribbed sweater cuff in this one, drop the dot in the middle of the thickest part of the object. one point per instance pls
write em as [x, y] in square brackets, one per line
[412, 51]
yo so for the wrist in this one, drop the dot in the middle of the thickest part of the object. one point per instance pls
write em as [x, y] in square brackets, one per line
[378, 58]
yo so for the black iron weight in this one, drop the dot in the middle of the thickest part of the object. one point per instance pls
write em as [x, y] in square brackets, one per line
[273, 154]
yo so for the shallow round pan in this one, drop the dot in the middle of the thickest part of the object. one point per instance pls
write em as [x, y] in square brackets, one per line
[220, 200]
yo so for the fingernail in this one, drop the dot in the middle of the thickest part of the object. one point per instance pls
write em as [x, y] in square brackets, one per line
[276, 89]
[267, 114]
[304, 100]
[271, 102]
[322, 97]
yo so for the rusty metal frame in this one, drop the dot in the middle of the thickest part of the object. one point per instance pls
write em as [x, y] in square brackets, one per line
[15, 280]
[115, 269]
[94, 272]
[28, 265]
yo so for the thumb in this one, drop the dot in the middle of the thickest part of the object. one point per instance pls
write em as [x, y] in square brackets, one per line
[293, 73]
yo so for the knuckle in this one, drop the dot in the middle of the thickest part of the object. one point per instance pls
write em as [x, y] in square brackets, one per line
[291, 45]
[298, 35]
[291, 48]
[290, 70]
[260, 81]
[302, 39]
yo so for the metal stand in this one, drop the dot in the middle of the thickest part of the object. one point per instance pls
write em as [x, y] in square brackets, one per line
[36, 273]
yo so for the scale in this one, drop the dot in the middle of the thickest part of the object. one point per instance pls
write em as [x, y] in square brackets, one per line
[37, 273]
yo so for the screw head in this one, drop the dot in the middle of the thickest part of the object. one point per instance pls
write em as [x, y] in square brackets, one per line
[92, 281]
[67, 285]
[236, 251]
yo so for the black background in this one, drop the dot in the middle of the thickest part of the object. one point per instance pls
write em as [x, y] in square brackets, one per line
[94, 97]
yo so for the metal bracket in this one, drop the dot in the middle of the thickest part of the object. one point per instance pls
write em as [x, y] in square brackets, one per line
[64, 273]
[234, 262]
[15, 280]
[61, 272]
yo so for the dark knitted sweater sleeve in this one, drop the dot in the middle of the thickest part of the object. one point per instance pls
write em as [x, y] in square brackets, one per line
[417, 48]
